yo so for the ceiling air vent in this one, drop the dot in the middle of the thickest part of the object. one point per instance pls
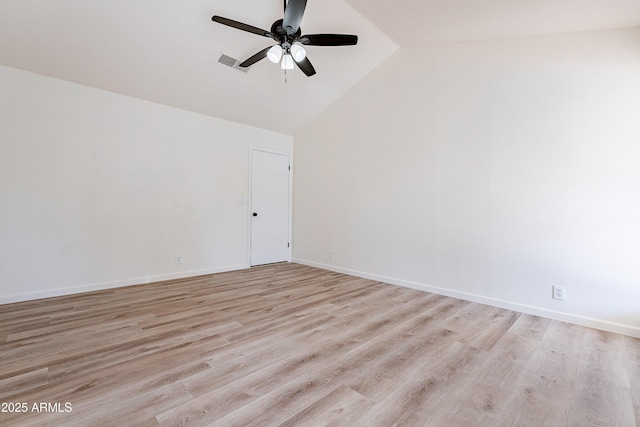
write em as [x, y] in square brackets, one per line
[231, 62]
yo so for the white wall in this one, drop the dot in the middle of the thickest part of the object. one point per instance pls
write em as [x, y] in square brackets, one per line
[100, 190]
[489, 171]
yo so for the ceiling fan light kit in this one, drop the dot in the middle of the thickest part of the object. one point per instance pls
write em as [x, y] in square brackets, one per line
[287, 33]
[298, 52]
[287, 62]
[275, 54]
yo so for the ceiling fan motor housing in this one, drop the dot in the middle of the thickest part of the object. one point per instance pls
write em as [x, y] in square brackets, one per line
[283, 37]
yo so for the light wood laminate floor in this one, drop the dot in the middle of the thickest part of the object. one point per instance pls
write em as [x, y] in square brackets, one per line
[291, 345]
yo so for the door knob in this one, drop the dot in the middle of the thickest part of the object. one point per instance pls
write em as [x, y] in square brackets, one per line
[255, 214]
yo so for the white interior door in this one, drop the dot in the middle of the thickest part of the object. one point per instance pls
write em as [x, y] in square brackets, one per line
[269, 207]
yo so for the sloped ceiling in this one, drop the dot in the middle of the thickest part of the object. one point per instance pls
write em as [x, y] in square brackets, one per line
[166, 51]
[415, 22]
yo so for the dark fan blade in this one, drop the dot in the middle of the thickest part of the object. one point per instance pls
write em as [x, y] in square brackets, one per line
[255, 58]
[243, 27]
[293, 15]
[329, 39]
[306, 67]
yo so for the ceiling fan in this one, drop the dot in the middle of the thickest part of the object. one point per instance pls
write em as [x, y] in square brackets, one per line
[287, 33]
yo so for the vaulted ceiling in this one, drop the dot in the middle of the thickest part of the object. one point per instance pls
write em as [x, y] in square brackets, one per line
[167, 51]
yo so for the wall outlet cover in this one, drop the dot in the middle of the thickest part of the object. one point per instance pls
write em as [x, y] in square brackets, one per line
[559, 293]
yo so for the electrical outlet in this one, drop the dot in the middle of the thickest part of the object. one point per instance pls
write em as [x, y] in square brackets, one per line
[559, 293]
[330, 254]
[178, 260]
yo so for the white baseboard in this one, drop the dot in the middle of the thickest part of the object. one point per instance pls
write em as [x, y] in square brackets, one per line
[118, 284]
[589, 322]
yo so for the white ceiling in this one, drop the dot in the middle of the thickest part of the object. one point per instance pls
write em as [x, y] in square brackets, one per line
[412, 22]
[166, 51]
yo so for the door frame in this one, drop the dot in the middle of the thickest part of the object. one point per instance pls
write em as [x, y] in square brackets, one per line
[250, 201]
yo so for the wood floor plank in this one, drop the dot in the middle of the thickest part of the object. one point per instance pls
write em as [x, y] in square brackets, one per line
[528, 326]
[598, 402]
[602, 394]
[489, 389]
[307, 366]
[632, 347]
[18, 383]
[420, 395]
[604, 355]
[287, 344]
[312, 379]
[341, 407]
[484, 329]
[543, 396]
